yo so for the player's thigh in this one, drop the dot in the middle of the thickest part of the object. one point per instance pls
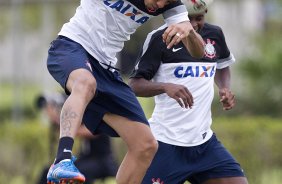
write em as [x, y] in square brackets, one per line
[66, 59]
[228, 180]
[135, 134]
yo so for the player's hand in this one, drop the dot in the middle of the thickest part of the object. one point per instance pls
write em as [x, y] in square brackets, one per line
[176, 32]
[227, 98]
[180, 93]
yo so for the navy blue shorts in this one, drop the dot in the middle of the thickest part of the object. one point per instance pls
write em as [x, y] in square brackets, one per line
[112, 94]
[176, 164]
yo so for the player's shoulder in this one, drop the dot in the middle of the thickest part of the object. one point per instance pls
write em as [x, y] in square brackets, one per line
[212, 28]
[157, 33]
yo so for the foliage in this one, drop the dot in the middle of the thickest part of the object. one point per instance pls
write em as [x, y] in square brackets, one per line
[253, 141]
[20, 99]
[24, 151]
[262, 75]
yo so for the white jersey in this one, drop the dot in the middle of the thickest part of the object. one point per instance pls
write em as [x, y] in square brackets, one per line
[171, 123]
[102, 26]
[175, 125]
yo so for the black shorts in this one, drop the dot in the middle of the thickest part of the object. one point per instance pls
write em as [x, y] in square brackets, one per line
[112, 94]
[197, 164]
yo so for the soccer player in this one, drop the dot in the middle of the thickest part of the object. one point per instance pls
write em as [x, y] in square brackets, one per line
[82, 60]
[183, 90]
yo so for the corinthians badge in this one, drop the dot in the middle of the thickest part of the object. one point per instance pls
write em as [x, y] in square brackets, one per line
[209, 49]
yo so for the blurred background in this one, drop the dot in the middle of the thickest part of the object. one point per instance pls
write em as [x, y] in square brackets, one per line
[252, 131]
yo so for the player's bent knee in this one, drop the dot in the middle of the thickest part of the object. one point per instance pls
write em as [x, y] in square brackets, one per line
[85, 87]
[148, 148]
[144, 143]
[151, 146]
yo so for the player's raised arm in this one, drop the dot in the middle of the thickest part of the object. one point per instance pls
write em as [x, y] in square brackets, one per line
[184, 32]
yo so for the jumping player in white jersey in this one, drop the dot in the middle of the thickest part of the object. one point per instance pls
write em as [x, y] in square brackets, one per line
[183, 90]
[82, 60]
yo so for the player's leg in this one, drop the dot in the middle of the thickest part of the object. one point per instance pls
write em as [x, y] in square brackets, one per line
[82, 86]
[230, 180]
[141, 144]
[68, 64]
[116, 104]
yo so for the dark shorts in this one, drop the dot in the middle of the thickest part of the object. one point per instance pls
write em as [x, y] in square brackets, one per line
[176, 164]
[112, 94]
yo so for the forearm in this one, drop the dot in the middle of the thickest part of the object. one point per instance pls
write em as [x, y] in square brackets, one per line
[144, 88]
[223, 78]
[194, 44]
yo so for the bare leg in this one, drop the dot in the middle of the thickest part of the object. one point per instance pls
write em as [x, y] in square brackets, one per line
[82, 86]
[231, 180]
[141, 144]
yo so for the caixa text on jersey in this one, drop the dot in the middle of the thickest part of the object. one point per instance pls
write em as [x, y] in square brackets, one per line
[194, 71]
[128, 10]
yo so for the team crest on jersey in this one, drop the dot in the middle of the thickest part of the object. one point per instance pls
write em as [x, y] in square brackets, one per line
[210, 51]
[157, 181]
[125, 8]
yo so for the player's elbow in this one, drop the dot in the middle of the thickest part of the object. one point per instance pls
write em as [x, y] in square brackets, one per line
[140, 87]
[133, 84]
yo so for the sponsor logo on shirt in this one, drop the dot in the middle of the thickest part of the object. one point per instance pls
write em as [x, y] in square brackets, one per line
[194, 71]
[127, 9]
[175, 50]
